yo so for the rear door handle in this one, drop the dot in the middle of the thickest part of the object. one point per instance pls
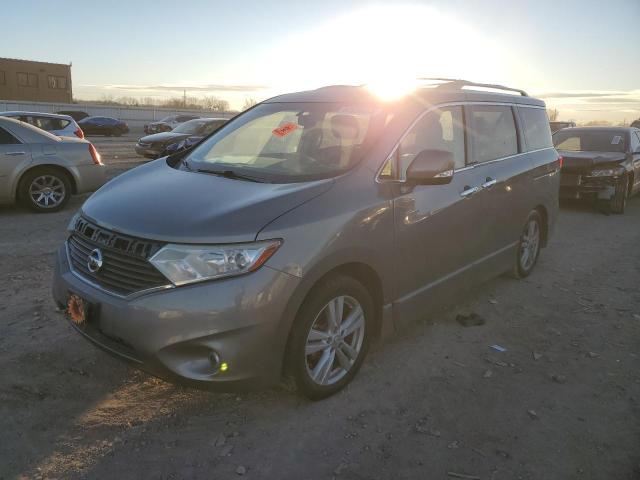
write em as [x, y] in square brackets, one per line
[489, 183]
[15, 154]
[468, 191]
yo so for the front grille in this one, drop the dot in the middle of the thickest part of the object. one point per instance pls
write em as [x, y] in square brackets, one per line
[125, 267]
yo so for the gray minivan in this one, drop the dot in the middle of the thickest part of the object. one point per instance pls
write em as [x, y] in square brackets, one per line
[308, 225]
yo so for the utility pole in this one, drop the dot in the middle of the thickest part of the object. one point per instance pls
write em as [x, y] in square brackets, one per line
[184, 98]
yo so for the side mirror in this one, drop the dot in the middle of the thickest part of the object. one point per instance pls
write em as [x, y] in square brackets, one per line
[431, 167]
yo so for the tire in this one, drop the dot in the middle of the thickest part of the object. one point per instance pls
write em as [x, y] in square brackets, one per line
[618, 202]
[45, 190]
[528, 246]
[333, 359]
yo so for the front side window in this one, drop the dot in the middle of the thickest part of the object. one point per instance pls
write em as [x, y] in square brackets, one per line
[537, 132]
[292, 141]
[439, 129]
[590, 140]
[492, 132]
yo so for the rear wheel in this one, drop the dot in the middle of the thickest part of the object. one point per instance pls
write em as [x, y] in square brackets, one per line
[45, 190]
[330, 337]
[618, 202]
[529, 246]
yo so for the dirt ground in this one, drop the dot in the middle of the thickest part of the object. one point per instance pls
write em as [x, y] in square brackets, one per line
[434, 402]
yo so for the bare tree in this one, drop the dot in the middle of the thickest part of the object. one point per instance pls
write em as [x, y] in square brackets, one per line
[248, 103]
[210, 102]
[553, 114]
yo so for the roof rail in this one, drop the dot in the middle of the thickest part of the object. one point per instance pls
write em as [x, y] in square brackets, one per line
[456, 83]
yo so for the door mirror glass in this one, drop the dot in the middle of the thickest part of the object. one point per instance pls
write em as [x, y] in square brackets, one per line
[431, 167]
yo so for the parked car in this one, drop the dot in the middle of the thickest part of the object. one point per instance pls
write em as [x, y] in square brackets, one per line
[77, 115]
[168, 123]
[555, 126]
[60, 125]
[600, 163]
[103, 126]
[305, 227]
[43, 170]
[635, 123]
[154, 146]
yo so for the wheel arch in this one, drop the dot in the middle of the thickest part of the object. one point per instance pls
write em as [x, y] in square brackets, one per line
[544, 217]
[43, 166]
[360, 269]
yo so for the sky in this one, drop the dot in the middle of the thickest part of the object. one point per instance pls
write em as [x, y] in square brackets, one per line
[581, 57]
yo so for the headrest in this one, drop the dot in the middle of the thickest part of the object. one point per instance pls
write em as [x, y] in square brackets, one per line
[345, 126]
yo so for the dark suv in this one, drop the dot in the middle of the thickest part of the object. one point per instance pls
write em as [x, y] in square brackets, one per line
[305, 227]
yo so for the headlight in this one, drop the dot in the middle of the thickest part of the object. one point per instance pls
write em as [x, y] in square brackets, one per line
[607, 172]
[184, 264]
[72, 223]
[181, 145]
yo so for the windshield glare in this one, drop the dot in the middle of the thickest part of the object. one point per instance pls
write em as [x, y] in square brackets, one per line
[288, 140]
[589, 141]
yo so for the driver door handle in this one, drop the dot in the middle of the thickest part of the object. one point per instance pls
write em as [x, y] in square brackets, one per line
[15, 154]
[490, 182]
[468, 191]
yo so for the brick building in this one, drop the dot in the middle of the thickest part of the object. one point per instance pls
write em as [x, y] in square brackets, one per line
[35, 81]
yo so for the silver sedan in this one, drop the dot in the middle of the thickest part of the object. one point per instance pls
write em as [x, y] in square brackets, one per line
[42, 170]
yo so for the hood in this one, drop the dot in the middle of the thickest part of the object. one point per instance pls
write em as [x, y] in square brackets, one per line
[158, 202]
[164, 137]
[587, 160]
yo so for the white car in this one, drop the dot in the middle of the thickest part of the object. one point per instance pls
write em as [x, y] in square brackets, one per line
[59, 125]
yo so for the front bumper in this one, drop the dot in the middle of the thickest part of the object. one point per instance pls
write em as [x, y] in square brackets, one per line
[149, 152]
[576, 186]
[172, 333]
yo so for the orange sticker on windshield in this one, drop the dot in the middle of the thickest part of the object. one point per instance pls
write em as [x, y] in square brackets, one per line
[285, 129]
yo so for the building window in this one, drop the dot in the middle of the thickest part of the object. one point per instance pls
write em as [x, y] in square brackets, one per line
[58, 83]
[27, 79]
[3, 78]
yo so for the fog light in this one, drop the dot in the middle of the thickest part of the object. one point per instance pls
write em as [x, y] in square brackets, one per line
[224, 367]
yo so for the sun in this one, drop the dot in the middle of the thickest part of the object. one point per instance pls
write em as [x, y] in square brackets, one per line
[387, 47]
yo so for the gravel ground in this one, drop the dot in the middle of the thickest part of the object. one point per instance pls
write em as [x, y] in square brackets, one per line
[562, 402]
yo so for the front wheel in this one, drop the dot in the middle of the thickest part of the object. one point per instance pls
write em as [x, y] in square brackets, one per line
[618, 202]
[529, 246]
[330, 337]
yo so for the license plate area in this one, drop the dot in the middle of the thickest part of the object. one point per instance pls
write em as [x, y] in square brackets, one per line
[80, 311]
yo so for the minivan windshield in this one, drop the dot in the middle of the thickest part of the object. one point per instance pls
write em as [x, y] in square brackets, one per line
[574, 140]
[288, 142]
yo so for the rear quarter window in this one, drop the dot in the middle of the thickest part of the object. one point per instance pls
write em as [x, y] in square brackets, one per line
[535, 126]
[7, 138]
[49, 124]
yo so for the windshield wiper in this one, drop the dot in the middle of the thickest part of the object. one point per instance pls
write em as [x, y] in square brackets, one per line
[231, 174]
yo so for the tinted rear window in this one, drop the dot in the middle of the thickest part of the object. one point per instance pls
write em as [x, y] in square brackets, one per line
[590, 141]
[492, 133]
[535, 125]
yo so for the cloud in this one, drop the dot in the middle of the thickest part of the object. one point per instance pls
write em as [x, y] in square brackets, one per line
[180, 88]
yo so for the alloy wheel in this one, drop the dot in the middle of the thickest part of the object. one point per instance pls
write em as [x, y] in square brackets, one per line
[335, 340]
[47, 191]
[529, 244]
